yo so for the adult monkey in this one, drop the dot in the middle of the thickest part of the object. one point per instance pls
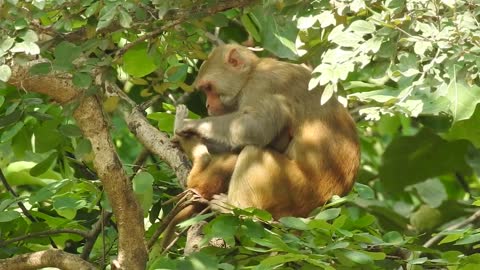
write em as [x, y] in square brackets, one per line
[254, 102]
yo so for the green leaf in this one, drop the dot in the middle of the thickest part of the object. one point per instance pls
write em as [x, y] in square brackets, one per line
[282, 259]
[393, 237]
[463, 99]
[467, 129]
[432, 192]
[294, 223]
[67, 205]
[107, 14]
[5, 73]
[470, 239]
[250, 27]
[7, 216]
[137, 62]
[2, 100]
[382, 96]
[40, 4]
[143, 188]
[328, 214]
[165, 121]
[278, 33]
[223, 227]
[125, 18]
[411, 159]
[83, 148]
[425, 218]
[46, 138]
[41, 69]
[92, 9]
[364, 191]
[11, 132]
[10, 118]
[177, 73]
[29, 36]
[82, 79]
[418, 261]
[70, 130]
[65, 54]
[362, 27]
[44, 165]
[26, 47]
[451, 238]
[6, 44]
[345, 38]
[356, 257]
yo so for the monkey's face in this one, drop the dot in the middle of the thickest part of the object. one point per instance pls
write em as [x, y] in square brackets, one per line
[222, 78]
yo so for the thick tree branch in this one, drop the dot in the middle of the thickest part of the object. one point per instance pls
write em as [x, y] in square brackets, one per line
[47, 258]
[155, 141]
[132, 252]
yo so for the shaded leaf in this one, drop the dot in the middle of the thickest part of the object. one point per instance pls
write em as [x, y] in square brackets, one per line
[411, 159]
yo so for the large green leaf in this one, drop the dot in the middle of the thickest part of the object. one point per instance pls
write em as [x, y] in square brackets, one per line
[278, 33]
[411, 159]
[463, 99]
[468, 129]
[137, 61]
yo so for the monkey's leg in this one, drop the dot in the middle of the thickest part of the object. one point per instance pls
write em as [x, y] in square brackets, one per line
[267, 180]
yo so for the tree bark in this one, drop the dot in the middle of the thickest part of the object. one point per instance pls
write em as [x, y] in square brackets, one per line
[46, 258]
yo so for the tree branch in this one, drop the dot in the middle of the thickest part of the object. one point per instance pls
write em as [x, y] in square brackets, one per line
[154, 140]
[44, 233]
[93, 234]
[47, 258]
[455, 226]
[132, 252]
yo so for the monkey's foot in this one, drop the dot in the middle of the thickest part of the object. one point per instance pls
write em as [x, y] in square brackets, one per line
[219, 203]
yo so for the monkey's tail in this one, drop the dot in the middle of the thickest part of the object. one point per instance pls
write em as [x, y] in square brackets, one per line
[184, 214]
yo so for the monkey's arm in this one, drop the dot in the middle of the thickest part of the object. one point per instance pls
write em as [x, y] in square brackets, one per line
[255, 124]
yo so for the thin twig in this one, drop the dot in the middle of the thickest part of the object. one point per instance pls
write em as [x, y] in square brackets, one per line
[94, 232]
[183, 231]
[186, 198]
[455, 226]
[44, 233]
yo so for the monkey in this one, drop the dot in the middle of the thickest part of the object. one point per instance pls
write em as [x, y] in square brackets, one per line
[294, 154]
[210, 173]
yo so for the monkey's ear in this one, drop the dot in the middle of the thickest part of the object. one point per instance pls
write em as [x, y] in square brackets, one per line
[235, 58]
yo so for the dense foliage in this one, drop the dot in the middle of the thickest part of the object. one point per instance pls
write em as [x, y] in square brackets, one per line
[408, 69]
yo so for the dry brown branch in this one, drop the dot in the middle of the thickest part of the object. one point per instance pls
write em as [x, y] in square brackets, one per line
[47, 258]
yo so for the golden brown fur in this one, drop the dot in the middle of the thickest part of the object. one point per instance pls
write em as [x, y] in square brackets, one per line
[294, 153]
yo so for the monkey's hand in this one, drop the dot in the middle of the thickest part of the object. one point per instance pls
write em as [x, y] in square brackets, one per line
[220, 204]
[180, 116]
[193, 128]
